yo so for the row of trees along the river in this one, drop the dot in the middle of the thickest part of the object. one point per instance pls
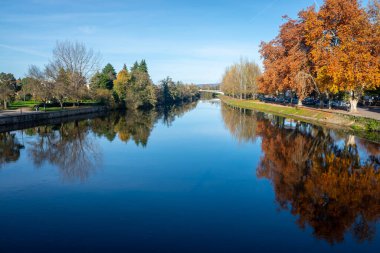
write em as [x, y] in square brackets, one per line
[73, 75]
[240, 80]
[326, 50]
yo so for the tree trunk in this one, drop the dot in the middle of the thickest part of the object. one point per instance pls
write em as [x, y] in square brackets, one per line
[5, 104]
[299, 101]
[353, 102]
[328, 100]
[354, 105]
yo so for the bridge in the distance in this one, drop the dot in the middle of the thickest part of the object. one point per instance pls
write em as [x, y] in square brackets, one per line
[213, 91]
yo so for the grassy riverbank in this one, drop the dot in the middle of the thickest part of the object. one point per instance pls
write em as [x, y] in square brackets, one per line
[31, 104]
[365, 127]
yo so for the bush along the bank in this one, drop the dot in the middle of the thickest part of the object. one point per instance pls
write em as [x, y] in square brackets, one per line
[169, 92]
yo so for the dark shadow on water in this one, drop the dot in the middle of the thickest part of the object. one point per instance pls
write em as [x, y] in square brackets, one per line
[9, 148]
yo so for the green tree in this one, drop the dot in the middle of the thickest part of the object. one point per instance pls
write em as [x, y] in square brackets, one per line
[140, 90]
[7, 87]
[135, 66]
[143, 66]
[25, 88]
[109, 75]
[101, 81]
[170, 92]
[110, 71]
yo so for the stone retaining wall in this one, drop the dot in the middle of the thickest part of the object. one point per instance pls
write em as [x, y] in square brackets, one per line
[28, 117]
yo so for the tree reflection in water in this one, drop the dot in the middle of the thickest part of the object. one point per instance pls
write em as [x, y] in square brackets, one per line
[330, 181]
[68, 147]
[9, 148]
[241, 123]
[136, 125]
[132, 125]
[168, 114]
[71, 147]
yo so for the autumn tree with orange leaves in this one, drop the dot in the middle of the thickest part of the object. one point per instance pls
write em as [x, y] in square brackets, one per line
[333, 49]
[286, 61]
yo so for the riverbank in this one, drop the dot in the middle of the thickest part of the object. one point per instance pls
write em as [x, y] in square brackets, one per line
[22, 117]
[362, 126]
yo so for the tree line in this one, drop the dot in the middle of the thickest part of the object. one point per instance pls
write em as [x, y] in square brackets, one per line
[334, 49]
[326, 50]
[241, 79]
[73, 75]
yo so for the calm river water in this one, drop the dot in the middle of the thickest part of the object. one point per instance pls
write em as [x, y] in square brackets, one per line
[199, 178]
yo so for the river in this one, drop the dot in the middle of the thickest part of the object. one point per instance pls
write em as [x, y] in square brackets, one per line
[203, 177]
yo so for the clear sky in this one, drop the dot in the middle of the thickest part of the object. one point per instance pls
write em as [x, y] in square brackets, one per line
[192, 41]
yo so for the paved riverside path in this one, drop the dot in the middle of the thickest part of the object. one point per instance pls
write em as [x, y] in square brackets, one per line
[7, 113]
[371, 112]
[19, 117]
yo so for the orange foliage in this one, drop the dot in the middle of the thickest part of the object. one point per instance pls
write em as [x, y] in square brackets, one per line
[342, 43]
[285, 58]
[337, 47]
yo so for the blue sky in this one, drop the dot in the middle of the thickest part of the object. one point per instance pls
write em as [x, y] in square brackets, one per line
[192, 41]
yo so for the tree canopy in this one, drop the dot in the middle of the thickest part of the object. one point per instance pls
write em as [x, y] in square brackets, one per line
[240, 79]
[329, 50]
[73, 74]
[7, 87]
[170, 92]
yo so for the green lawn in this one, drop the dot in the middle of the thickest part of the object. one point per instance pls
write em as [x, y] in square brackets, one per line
[15, 105]
[20, 104]
[57, 108]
